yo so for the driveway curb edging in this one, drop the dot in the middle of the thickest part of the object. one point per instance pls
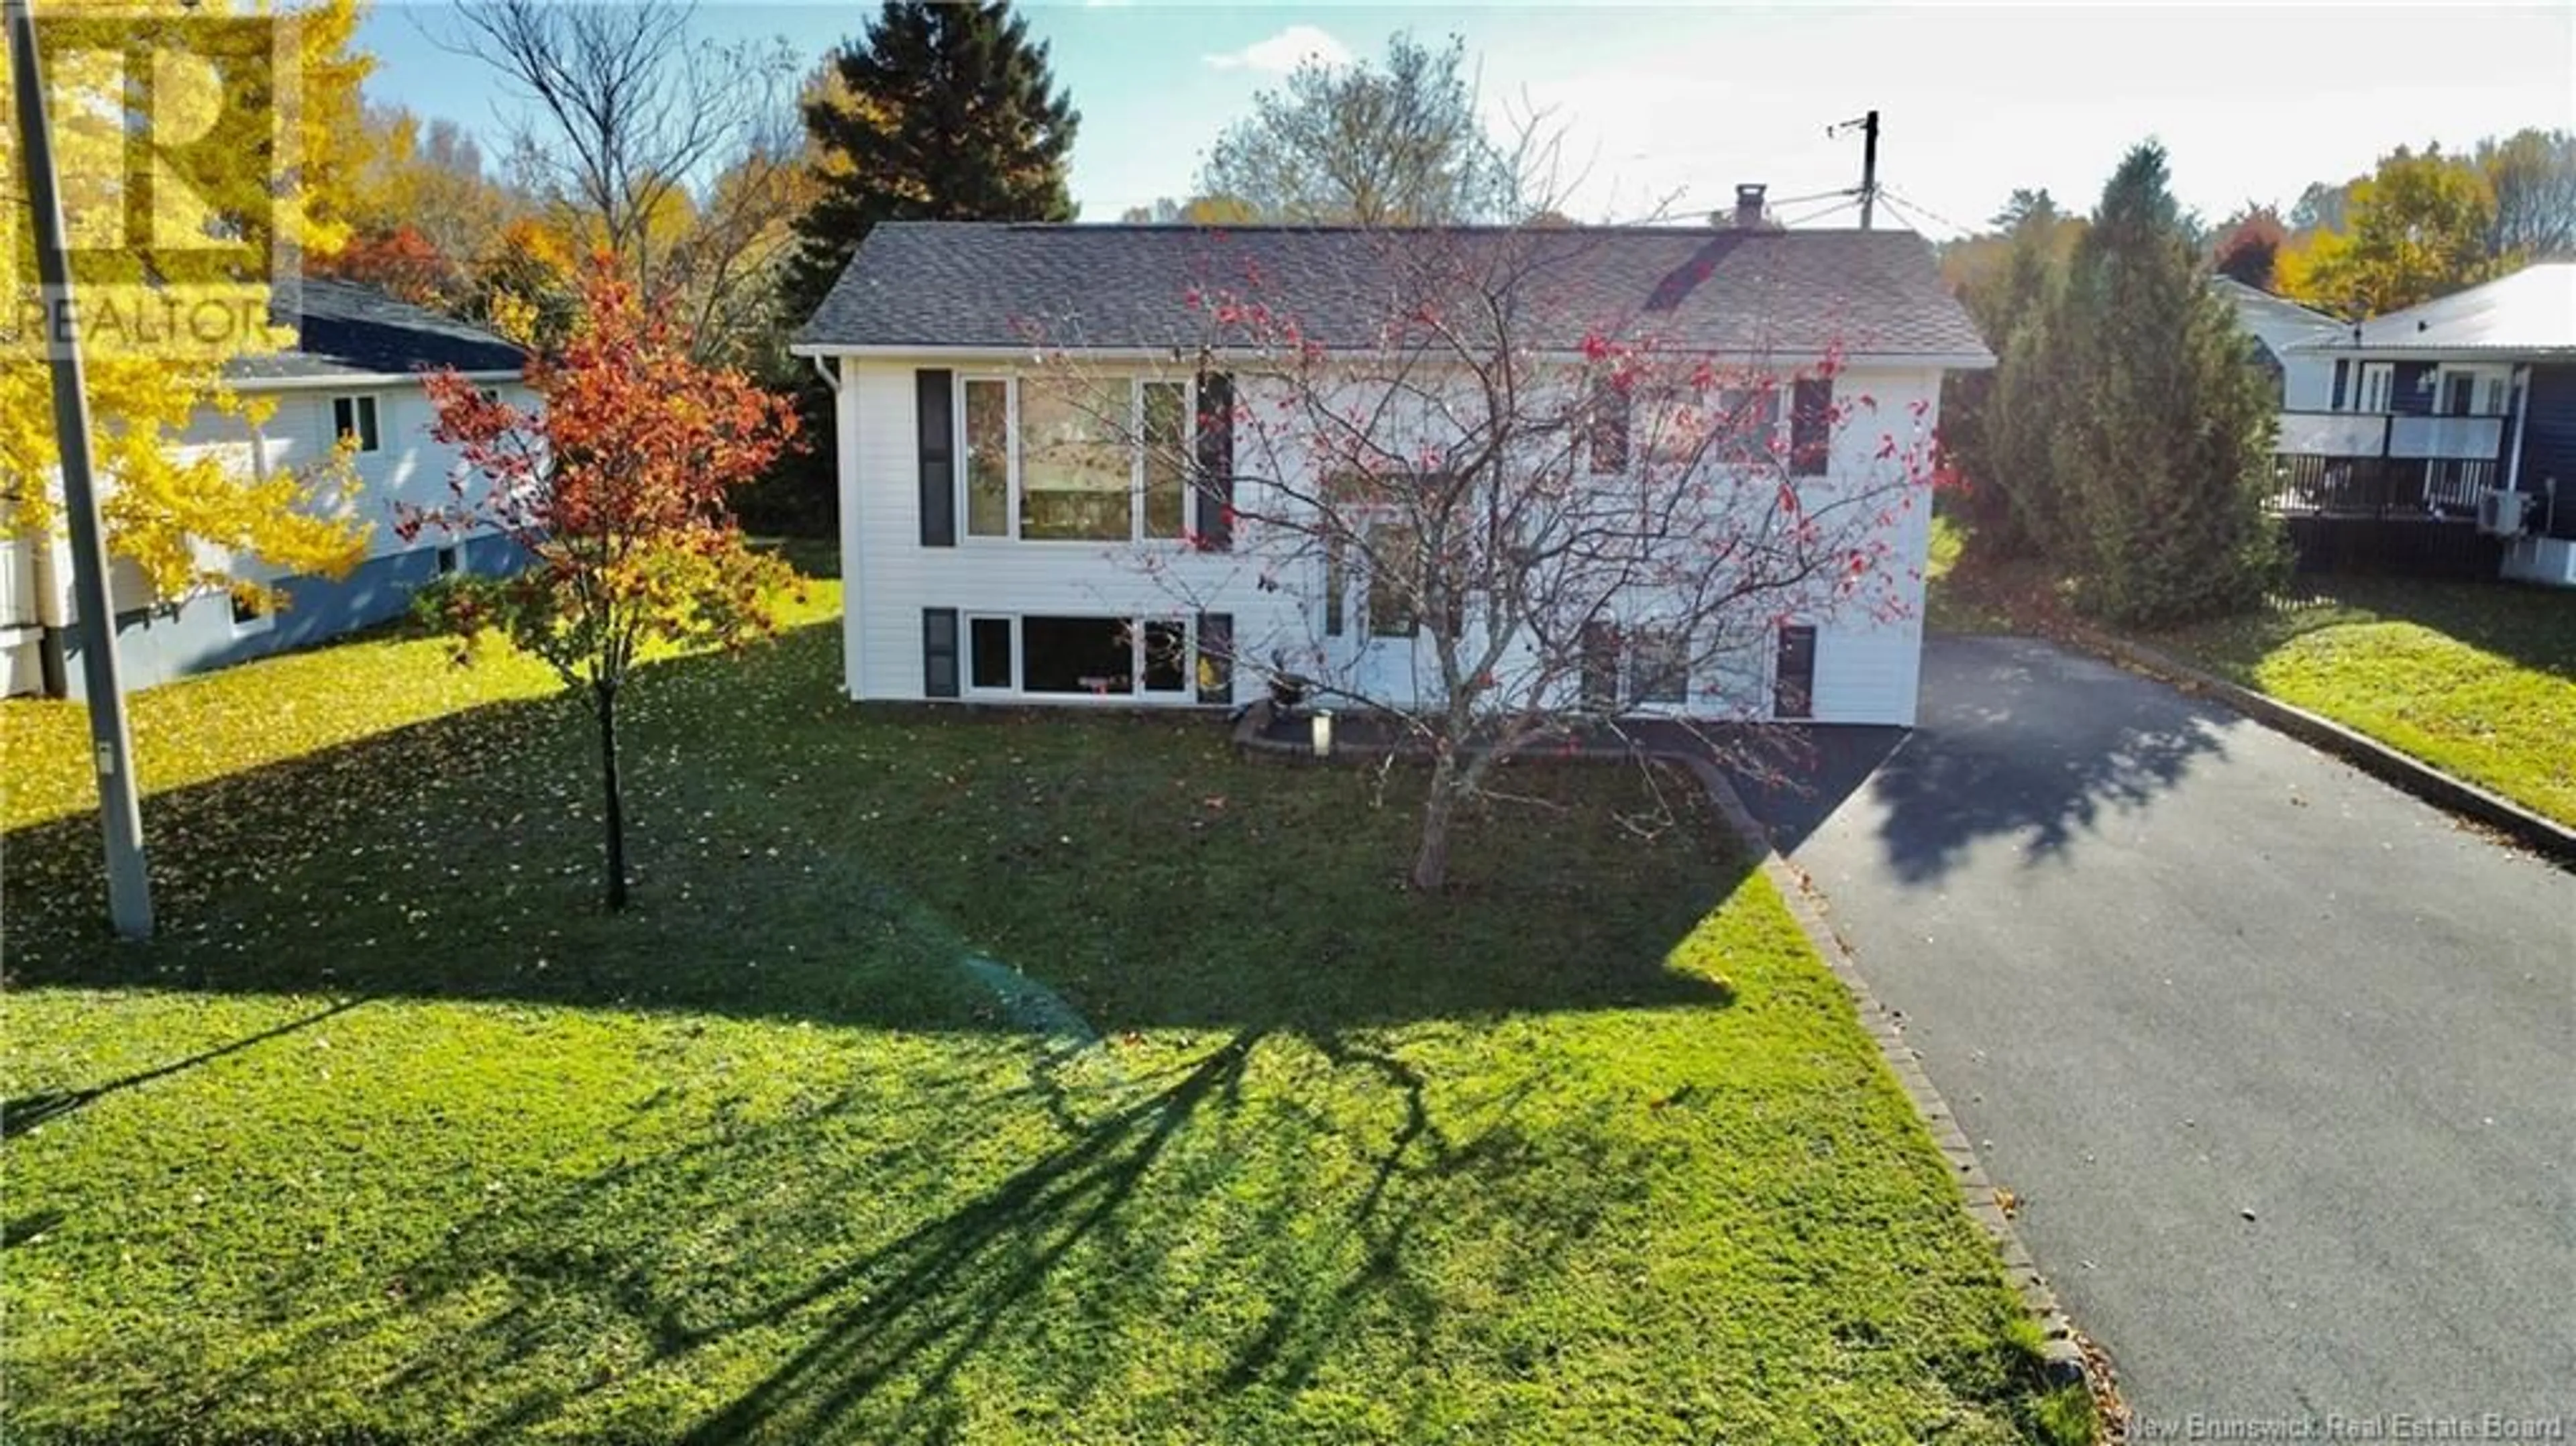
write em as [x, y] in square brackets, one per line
[2544, 836]
[2063, 1354]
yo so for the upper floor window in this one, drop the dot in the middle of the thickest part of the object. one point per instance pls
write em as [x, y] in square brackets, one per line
[1607, 420]
[354, 419]
[1811, 427]
[1093, 460]
[2378, 382]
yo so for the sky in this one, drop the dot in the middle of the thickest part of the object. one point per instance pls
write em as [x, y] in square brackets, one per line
[1661, 111]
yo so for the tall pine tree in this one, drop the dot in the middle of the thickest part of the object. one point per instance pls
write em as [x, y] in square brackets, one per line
[2163, 421]
[938, 113]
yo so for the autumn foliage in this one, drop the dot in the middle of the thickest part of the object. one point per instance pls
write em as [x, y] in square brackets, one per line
[615, 488]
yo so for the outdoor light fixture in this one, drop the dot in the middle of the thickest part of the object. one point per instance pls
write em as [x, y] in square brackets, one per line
[1320, 726]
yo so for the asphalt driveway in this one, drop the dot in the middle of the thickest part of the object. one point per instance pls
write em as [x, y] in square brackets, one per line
[2281, 1061]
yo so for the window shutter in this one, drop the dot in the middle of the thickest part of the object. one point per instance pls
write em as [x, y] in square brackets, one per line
[1215, 520]
[1600, 667]
[939, 652]
[2341, 367]
[1811, 427]
[1216, 657]
[939, 470]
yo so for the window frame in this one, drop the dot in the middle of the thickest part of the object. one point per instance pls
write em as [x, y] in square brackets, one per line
[1014, 493]
[2375, 389]
[1632, 642]
[1609, 428]
[1136, 624]
[366, 421]
[967, 686]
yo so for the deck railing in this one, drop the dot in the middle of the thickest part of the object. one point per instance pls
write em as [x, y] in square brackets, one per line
[2389, 434]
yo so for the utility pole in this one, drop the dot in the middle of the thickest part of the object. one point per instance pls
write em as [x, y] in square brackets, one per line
[129, 890]
[1868, 125]
[1868, 167]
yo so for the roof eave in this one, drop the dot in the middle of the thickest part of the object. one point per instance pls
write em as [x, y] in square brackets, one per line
[322, 381]
[866, 351]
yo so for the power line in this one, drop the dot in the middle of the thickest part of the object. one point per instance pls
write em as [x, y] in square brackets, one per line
[1846, 203]
[1923, 211]
[1818, 196]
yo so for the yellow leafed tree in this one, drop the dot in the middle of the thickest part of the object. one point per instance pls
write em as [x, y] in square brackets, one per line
[245, 115]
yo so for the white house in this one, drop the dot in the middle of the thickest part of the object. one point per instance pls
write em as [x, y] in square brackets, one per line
[355, 371]
[2278, 325]
[978, 568]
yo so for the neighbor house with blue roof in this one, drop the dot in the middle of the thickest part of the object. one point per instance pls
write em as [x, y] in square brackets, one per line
[355, 371]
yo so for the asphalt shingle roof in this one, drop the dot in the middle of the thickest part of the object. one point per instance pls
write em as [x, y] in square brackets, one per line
[937, 284]
[343, 329]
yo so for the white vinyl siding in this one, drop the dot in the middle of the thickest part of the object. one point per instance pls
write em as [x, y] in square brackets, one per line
[1866, 671]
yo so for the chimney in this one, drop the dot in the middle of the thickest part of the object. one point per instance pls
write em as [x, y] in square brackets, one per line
[1748, 207]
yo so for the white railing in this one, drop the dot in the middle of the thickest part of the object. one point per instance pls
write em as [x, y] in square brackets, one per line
[2382, 434]
[2331, 434]
[2474, 439]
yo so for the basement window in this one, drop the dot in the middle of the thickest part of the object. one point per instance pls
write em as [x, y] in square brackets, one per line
[1091, 657]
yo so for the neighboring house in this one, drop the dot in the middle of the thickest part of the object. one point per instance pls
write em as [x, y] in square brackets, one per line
[355, 370]
[980, 596]
[2462, 408]
[2302, 380]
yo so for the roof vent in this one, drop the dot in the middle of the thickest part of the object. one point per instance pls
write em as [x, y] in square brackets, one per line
[1748, 206]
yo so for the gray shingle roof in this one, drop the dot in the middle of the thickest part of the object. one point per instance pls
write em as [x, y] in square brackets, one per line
[343, 329]
[973, 284]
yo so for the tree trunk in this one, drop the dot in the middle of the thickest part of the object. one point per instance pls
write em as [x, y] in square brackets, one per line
[607, 711]
[1431, 860]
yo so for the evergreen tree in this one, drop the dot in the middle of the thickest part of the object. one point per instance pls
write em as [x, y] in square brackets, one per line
[938, 113]
[2162, 421]
[1994, 424]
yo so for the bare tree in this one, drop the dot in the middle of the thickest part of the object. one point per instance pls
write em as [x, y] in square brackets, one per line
[671, 146]
[1509, 520]
[1359, 145]
[2533, 173]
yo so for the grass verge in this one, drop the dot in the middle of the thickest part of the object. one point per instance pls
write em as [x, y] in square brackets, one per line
[2476, 678]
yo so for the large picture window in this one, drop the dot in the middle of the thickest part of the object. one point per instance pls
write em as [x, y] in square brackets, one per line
[1086, 657]
[1064, 460]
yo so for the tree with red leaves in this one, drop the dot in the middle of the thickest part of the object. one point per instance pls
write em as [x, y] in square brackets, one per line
[615, 487]
[1518, 523]
[2249, 246]
[403, 264]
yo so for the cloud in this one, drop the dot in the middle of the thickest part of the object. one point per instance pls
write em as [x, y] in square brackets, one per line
[1281, 53]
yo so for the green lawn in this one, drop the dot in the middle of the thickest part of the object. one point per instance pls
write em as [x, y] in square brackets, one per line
[2477, 679]
[1061, 1079]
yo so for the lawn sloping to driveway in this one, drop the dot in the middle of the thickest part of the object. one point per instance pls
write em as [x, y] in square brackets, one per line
[393, 1137]
[2477, 679]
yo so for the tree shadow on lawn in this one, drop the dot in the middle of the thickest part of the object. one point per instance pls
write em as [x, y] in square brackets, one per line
[1189, 1248]
[800, 856]
[1315, 1175]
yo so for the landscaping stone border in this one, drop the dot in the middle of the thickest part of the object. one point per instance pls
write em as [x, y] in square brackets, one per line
[2544, 836]
[2067, 1359]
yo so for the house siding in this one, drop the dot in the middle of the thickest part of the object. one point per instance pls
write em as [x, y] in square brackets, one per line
[2549, 446]
[1866, 670]
[159, 640]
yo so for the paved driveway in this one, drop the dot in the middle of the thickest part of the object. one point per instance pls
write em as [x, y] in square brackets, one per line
[2170, 969]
